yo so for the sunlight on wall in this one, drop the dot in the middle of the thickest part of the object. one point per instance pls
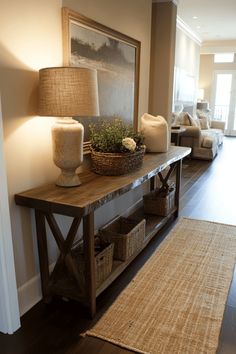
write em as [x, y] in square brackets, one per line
[33, 127]
[30, 39]
[30, 143]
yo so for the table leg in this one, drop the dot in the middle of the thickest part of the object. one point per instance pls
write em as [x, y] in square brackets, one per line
[177, 185]
[152, 183]
[90, 276]
[177, 139]
[174, 138]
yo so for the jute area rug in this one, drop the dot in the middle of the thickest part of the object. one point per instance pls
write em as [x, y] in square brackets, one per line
[175, 303]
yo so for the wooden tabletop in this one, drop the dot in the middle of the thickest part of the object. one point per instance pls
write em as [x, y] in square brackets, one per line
[96, 190]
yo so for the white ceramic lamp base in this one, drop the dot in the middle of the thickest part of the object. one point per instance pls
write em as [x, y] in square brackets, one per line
[67, 142]
[68, 179]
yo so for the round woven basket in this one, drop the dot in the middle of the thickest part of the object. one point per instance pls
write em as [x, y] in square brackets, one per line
[114, 164]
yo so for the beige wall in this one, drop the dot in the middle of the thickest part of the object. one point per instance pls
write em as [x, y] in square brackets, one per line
[206, 73]
[187, 58]
[222, 46]
[31, 38]
[162, 58]
[187, 53]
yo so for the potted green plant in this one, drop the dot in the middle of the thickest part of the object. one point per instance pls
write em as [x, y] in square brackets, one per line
[116, 148]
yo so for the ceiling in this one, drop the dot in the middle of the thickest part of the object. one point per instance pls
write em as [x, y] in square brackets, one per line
[216, 19]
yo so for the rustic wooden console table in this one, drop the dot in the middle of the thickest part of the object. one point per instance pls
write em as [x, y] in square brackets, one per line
[80, 204]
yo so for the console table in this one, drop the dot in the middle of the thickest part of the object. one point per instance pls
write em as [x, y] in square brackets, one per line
[80, 204]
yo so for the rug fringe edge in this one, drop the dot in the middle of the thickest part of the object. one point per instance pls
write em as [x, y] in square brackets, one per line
[204, 220]
[110, 340]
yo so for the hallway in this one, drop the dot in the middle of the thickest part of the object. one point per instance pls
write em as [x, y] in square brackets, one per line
[213, 196]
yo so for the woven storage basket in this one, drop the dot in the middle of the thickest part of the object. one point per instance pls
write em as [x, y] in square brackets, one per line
[103, 260]
[159, 202]
[127, 235]
[114, 164]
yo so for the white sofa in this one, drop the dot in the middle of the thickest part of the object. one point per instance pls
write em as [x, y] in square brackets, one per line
[202, 134]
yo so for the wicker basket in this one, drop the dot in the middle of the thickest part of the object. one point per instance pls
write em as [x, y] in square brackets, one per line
[103, 260]
[114, 164]
[159, 202]
[127, 235]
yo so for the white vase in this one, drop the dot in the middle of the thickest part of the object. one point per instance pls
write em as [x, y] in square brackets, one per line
[67, 143]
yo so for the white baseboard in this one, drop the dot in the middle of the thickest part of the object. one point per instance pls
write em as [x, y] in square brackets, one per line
[30, 293]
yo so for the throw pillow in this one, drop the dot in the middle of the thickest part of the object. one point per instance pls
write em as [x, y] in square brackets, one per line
[202, 114]
[174, 117]
[183, 119]
[204, 122]
[195, 122]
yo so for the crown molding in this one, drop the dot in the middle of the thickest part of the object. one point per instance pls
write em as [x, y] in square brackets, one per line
[176, 2]
[188, 31]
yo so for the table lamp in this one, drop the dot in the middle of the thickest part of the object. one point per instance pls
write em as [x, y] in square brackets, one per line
[67, 92]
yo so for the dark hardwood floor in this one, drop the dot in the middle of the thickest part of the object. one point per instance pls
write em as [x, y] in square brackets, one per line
[207, 193]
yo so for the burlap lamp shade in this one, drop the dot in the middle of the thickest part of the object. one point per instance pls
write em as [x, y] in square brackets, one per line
[68, 92]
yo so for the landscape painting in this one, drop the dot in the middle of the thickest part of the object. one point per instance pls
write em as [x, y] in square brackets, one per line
[116, 59]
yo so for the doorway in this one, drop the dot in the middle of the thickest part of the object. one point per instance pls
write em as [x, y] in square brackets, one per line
[224, 99]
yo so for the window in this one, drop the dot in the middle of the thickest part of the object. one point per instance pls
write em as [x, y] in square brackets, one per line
[224, 58]
[222, 96]
[224, 100]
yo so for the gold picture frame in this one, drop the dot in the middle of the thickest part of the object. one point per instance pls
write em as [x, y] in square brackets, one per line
[116, 57]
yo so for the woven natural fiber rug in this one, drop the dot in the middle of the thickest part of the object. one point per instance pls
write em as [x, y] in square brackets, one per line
[175, 303]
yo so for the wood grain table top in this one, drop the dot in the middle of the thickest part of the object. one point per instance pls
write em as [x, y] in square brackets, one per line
[95, 189]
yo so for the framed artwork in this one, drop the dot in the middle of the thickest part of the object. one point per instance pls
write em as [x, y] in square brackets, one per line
[115, 56]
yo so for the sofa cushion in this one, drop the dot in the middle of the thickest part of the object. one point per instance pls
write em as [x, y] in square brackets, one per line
[195, 122]
[219, 135]
[204, 118]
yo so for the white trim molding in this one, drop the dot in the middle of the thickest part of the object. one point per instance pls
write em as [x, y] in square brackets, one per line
[9, 308]
[176, 2]
[30, 293]
[188, 31]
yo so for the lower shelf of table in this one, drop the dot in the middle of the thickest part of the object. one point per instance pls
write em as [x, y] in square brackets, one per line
[154, 224]
[63, 285]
